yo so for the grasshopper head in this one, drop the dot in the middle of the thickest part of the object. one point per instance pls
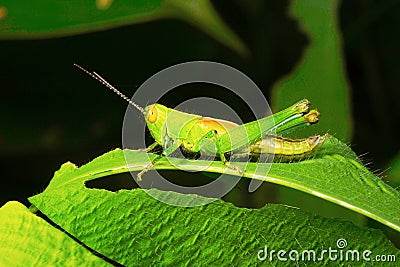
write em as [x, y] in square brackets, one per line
[155, 116]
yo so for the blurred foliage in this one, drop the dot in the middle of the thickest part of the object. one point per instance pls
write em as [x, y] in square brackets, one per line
[50, 114]
[46, 18]
[320, 74]
[394, 171]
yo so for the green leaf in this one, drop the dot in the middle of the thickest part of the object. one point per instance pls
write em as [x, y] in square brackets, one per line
[133, 228]
[45, 18]
[334, 174]
[394, 170]
[393, 173]
[28, 240]
[320, 76]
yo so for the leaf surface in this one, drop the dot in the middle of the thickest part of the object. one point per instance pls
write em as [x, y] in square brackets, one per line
[28, 240]
[147, 230]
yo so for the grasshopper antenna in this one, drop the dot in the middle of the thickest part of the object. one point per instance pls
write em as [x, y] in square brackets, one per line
[109, 86]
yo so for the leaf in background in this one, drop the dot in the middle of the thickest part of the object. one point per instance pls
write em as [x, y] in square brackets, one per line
[131, 227]
[394, 172]
[45, 18]
[320, 76]
[28, 240]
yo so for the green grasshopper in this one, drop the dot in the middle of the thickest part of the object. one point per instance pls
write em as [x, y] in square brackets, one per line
[174, 130]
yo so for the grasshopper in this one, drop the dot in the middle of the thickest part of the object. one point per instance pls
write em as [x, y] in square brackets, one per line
[172, 130]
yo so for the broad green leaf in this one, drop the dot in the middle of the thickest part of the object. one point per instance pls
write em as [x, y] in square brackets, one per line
[320, 75]
[132, 228]
[45, 18]
[28, 240]
[334, 173]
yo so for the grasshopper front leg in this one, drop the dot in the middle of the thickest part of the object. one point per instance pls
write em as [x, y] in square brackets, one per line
[169, 150]
[149, 148]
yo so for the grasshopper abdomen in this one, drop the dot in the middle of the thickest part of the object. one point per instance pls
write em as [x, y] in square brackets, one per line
[286, 148]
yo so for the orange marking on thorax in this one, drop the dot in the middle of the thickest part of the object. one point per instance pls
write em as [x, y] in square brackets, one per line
[3, 12]
[210, 124]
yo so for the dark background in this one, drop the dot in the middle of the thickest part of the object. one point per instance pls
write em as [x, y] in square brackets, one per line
[51, 113]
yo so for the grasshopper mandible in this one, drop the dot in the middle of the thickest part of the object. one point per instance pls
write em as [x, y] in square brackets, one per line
[174, 130]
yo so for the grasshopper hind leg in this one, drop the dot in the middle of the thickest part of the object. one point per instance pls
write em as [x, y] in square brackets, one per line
[222, 156]
[229, 165]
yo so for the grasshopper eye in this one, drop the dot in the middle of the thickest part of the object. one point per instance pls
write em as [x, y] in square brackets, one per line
[152, 115]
